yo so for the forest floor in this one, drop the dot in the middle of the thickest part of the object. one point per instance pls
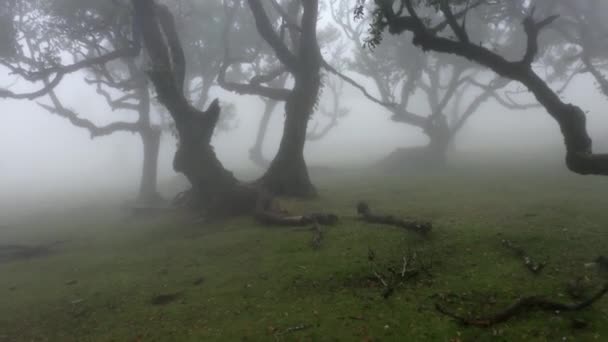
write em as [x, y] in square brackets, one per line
[105, 279]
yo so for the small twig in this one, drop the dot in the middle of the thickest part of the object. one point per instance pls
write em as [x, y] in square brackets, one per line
[299, 327]
[534, 267]
[317, 236]
[384, 283]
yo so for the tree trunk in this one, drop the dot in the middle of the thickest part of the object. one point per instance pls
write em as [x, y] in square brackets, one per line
[433, 155]
[256, 153]
[148, 193]
[215, 191]
[439, 140]
[288, 173]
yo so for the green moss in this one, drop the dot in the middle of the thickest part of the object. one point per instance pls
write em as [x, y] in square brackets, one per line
[242, 281]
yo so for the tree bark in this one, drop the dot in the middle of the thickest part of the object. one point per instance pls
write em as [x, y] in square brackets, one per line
[256, 154]
[148, 193]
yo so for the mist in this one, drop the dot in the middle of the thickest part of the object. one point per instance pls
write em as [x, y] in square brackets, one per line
[188, 150]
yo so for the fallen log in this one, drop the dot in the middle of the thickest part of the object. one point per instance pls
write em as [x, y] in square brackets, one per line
[522, 305]
[420, 227]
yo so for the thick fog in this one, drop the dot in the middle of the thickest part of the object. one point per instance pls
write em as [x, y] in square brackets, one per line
[45, 161]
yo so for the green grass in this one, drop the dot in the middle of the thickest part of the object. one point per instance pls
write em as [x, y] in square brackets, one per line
[258, 281]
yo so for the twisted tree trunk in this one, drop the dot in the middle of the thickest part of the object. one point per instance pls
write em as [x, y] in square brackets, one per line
[288, 173]
[215, 190]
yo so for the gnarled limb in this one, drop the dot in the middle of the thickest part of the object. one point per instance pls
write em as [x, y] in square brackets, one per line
[571, 119]
[95, 130]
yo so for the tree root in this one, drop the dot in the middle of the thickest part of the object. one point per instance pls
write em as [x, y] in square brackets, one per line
[522, 305]
[420, 227]
[531, 265]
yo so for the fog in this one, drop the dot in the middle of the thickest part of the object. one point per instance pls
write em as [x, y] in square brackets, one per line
[420, 168]
[46, 160]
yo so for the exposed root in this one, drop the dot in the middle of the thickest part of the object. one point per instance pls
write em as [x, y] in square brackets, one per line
[522, 305]
[530, 264]
[420, 227]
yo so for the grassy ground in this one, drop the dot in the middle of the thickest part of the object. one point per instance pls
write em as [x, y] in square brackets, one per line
[242, 281]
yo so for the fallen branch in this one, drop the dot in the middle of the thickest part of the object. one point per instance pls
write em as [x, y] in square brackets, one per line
[293, 329]
[522, 305]
[285, 219]
[269, 212]
[534, 267]
[420, 227]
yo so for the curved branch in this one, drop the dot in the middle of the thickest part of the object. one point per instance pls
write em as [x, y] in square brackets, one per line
[354, 83]
[271, 37]
[253, 88]
[60, 71]
[76, 120]
[521, 305]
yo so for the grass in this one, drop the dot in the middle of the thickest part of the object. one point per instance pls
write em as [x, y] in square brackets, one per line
[239, 281]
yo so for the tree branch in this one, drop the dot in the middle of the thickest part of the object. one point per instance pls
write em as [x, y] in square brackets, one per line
[271, 37]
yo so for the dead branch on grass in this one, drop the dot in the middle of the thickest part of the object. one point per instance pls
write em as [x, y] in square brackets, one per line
[523, 305]
[420, 227]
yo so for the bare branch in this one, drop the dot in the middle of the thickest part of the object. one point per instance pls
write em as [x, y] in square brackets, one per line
[271, 37]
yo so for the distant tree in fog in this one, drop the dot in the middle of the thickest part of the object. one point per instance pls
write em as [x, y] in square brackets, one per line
[450, 35]
[454, 89]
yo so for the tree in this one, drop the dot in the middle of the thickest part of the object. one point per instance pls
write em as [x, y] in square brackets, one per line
[302, 59]
[215, 190]
[328, 114]
[85, 31]
[577, 43]
[54, 20]
[400, 71]
[429, 36]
